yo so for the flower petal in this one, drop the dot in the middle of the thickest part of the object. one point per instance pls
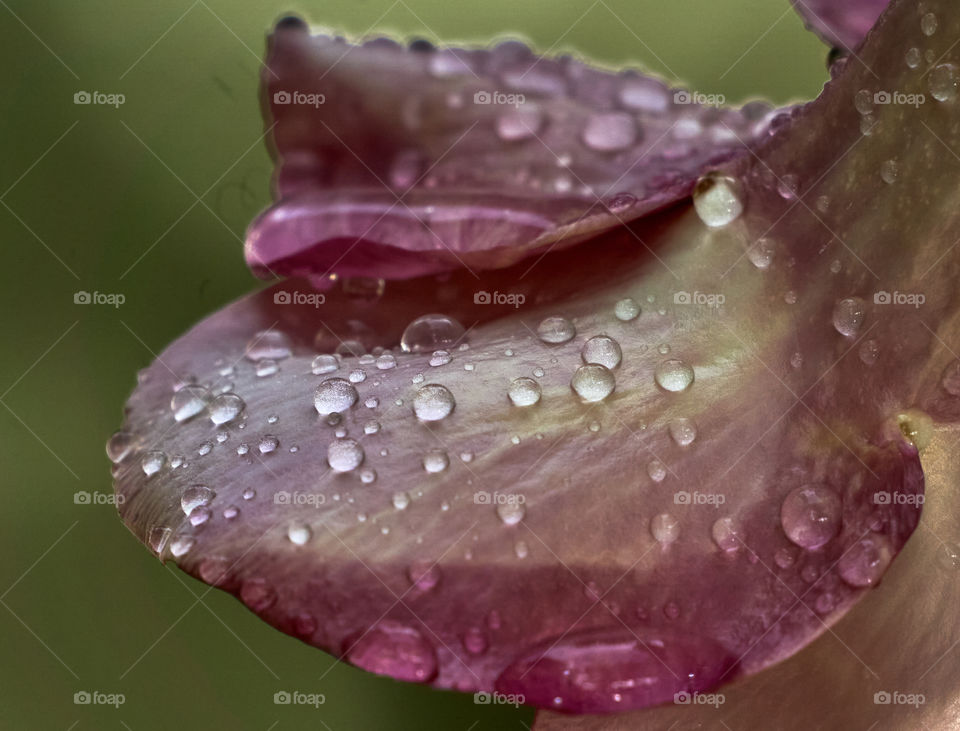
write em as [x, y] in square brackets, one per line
[398, 162]
[841, 24]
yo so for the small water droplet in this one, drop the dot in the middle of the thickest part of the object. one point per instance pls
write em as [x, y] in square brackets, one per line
[257, 594]
[299, 533]
[674, 375]
[725, 534]
[153, 462]
[344, 455]
[119, 446]
[810, 515]
[524, 391]
[656, 470]
[664, 528]
[475, 641]
[268, 443]
[889, 171]
[433, 402]
[401, 500]
[717, 199]
[593, 382]
[928, 24]
[626, 309]
[511, 512]
[913, 57]
[848, 316]
[188, 402]
[944, 80]
[440, 358]
[556, 330]
[424, 575]
[436, 460]
[180, 545]
[195, 496]
[683, 431]
[431, 332]
[602, 350]
[324, 364]
[865, 562]
[268, 344]
[520, 122]
[609, 131]
[334, 395]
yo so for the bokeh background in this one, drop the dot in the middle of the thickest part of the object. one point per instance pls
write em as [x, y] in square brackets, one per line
[150, 200]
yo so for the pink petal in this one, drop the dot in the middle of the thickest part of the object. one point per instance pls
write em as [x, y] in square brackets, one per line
[397, 162]
[842, 24]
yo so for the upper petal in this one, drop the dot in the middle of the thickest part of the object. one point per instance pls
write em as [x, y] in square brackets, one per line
[841, 24]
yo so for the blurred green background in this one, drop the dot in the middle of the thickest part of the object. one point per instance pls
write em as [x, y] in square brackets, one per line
[104, 199]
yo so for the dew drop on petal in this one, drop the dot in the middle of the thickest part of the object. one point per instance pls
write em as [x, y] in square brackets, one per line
[436, 460]
[929, 24]
[593, 382]
[725, 534]
[119, 446]
[716, 199]
[556, 330]
[626, 309]
[323, 364]
[848, 316]
[944, 80]
[225, 408]
[810, 515]
[433, 402]
[153, 462]
[889, 171]
[268, 344]
[683, 431]
[602, 350]
[524, 391]
[431, 332]
[674, 375]
[299, 533]
[664, 528]
[195, 496]
[865, 562]
[344, 455]
[656, 470]
[401, 500]
[334, 395]
[519, 122]
[609, 131]
[188, 402]
[511, 512]
[268, 443]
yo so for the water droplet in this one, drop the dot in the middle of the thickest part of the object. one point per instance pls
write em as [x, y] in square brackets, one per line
[674, 375]
[657, 471]
[511, 511]
[266, 367]
[524, 391]
[334, 395]
[556, 330]
[199, 516]
[357, 375]
[435, 460]
[324, 364]
[157, 537]
[188, 402]
[119, 446]
[440, 358]
[268, 443]
[424, 574]
[231, 512]
[785, 557]
[621, 202]
[716, 199]
[433, 402]
[475, 641]
[913, 57]
[593, 382]
[519, 122]
[225, 408]
[848, 316]
[344, 455]
[889, 171]
[431, 332]
[869, 352]
[386, 362]
[269, 344]
[626, 309]
[928, 24]
[944, 81]
[602, 350]
[950, 378]
[371, 427]
[257, 594]
[249, 494]
[864, 563]
[810, 515]
[368, 475]
[205, 448]
[683, 431]
[299, 533]
[664, 528]
[725, 534]
[153, 462]
[194, 497]
[761, 253]
[396, 650]
[401, 500]
[863, 101]
[917, 427]
[180, 545]
[609, 131]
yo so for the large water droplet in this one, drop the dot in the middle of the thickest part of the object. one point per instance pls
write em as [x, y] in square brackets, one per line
[188, 402]
[270, 344]
[431, 332]
[225, 408]
[929, 24]
[848, 316]
[556, 330]
[334, 396]
[674, 375]
[664, 528]
[716, 199]
[344, 455]
[609, 131]
[524, 391]
[944, 81]
[195, 496]
[865, 562]
[153, 462]
[593, 382]
[810, 515]
[433, 402]
[602, 350]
